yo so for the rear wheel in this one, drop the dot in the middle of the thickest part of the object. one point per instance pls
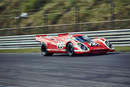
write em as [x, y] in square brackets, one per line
[70, 49]
[44, 51]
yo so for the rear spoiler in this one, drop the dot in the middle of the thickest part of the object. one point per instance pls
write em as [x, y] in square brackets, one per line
[63, 34]
[41, 35]
[57, 35]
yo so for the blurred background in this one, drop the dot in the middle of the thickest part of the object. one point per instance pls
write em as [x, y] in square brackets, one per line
[21, 20]
[21, 17]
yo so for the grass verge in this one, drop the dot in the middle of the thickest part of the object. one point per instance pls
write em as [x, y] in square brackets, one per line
[30, 50]
[37, 50]
[122, 49]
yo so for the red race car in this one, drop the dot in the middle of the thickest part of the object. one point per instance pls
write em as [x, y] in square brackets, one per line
[73, 44]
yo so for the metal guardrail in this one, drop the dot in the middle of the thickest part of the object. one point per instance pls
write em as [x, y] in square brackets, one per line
[116, 37]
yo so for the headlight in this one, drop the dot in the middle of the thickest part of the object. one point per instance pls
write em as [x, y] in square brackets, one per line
[108, 44]
[83, 47]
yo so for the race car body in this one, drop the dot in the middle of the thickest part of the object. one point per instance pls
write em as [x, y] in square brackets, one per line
[73, 44]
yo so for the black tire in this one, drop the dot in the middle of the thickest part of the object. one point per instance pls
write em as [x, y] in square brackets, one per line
[70, 49]
[44, 51]
[104, 53]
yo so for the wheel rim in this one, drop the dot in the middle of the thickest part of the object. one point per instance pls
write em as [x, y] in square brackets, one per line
[70, 50]
[43, 49]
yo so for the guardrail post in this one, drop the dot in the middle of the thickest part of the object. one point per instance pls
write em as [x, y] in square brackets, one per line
[45, 21]
[112, 11]
[17, 20]
[112, 15]
[77, 18]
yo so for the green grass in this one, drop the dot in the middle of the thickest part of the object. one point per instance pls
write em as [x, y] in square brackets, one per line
[123, 49]
[37, 50]
[32, 50]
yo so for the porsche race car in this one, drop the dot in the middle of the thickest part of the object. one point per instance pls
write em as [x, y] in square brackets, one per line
[72, 44]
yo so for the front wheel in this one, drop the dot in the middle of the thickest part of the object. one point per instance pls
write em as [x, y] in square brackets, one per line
[70, 49]
[44, 51]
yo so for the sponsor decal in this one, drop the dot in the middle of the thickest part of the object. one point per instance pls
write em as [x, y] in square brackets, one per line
[60, 45]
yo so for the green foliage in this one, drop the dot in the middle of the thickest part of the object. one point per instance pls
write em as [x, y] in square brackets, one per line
[33, 4]
[90, 11]
[125, 1]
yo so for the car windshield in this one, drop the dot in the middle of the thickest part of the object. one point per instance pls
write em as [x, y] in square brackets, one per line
[83, 38]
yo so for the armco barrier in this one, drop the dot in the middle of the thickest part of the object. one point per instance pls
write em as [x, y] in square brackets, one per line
[116, 37]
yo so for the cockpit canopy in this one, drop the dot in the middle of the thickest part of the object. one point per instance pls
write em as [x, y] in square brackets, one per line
[83, 38]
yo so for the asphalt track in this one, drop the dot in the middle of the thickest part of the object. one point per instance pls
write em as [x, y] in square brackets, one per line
[33, 70]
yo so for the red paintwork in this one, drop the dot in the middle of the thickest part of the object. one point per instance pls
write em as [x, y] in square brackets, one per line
[53, 42]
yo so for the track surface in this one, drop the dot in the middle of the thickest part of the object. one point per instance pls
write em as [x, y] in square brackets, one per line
[33, 70]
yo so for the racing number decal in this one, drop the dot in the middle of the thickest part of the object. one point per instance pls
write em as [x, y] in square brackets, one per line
[60, 45]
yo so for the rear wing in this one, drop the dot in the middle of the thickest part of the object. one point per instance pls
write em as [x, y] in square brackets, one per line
[39, 37]
[52, 35]
[63, 34]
